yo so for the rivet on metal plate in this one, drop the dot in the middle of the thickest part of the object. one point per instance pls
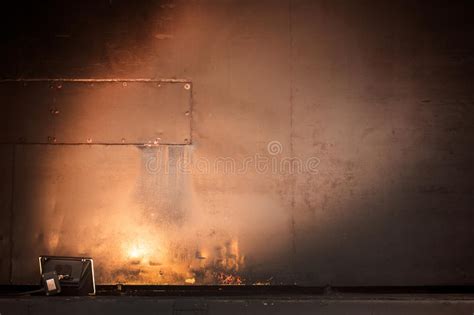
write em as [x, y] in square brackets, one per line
[187, 86]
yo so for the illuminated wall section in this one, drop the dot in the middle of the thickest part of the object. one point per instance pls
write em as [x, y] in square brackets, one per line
[238, 142]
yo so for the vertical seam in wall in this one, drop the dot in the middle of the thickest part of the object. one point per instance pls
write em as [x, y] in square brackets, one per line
[11, 219]
[292, 186]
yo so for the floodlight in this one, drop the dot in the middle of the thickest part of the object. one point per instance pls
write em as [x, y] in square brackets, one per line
[74, 275]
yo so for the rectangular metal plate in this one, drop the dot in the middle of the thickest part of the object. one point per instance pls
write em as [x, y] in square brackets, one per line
[107, 112]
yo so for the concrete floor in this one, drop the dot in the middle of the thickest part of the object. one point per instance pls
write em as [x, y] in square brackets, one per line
[353, 304]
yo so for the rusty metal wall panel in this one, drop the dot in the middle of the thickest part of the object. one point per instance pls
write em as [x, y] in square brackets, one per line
[96, 111]
[66, 197]
[387, 116]
[6, 179]
[97, 38]
[391, 203]
[98, 201]
[25, 112]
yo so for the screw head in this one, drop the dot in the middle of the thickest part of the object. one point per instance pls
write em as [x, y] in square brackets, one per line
[187, 86]
[124, 83]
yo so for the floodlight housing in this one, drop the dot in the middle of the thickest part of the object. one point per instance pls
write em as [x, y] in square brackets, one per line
[75, 275]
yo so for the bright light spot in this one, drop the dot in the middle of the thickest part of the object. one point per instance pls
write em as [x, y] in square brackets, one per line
[138, 251]
[143, 250]
[190, 281]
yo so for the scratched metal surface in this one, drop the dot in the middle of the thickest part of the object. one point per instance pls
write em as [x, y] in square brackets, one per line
[95, 111]
[381, 94]
[127, 202]
[25, 112]
[6, 168]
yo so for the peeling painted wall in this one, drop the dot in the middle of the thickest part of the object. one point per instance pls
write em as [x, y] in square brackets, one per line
[330, 143]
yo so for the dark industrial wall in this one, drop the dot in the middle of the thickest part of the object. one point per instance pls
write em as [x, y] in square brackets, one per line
[224, 141]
